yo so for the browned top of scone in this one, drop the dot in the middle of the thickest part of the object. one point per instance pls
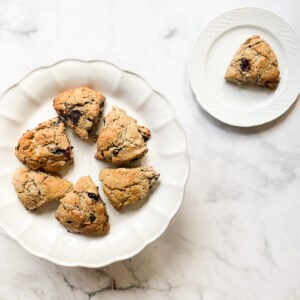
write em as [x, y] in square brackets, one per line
[81, 109]
[45, 147]
[125, 186]
[121, 140]
[82, 210]
[255, 62]
[35, 188]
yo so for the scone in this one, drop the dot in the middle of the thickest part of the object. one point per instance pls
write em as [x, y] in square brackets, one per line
[256, 63]
[36, 188]
[82, 210]
[125, 186]
[46, 147]
[121, 140]
[81, 108]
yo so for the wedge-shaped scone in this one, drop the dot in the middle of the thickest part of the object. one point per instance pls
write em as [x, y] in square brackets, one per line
[82, 210]
[121, 140]
[125, 186]
[81, 108]
[46, 147]
[256, 63]
[36, 188]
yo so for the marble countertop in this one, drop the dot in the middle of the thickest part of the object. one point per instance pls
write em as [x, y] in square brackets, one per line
[236, 236]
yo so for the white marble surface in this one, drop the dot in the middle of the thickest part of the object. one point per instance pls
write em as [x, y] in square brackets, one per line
[236, 235]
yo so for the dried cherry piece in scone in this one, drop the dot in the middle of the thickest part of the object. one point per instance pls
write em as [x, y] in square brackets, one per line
[58, 151]
[92, 218]
[245, 65]
[73, 116]
[68, 153]
[93, 196]
[116, 152]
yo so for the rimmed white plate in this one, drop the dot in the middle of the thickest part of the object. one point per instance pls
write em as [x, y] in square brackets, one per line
[30, 102]
[217, 43]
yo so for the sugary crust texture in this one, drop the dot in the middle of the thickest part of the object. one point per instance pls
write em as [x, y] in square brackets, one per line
[121, 140]
[46, 147]
[81, 108]
[36, 189]
[256, 63]
[82, 210]
[125, 186]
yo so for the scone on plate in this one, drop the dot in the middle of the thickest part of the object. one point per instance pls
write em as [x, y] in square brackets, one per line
[81, 108]
[121, 140]
[82, 210]
[45, 147]
[255, 62]
[125, 186]
[36, 188]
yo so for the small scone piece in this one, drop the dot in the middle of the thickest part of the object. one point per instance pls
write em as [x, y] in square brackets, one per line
[82, 210]
[125, 186]
[121, 140]
[256, 63]
[81, 108]
[46, 147]
[36, 188]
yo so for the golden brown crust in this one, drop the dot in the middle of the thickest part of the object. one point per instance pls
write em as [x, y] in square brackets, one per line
[82, 210]
[125, 186]
[45, 147]
[256, 63]
[36, 189]
[121, 140]
[81, 109]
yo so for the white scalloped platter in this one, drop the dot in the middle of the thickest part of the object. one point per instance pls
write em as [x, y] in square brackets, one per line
[216, 45]
[29, 102]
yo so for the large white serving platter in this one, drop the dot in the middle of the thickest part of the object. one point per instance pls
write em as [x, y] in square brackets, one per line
[29, 102]
[244, 105]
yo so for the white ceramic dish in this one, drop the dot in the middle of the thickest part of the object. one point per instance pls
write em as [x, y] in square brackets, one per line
[212, 53]
[29, 102]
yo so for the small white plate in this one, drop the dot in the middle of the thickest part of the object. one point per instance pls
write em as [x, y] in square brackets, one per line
[29, 102]
[215, 47]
